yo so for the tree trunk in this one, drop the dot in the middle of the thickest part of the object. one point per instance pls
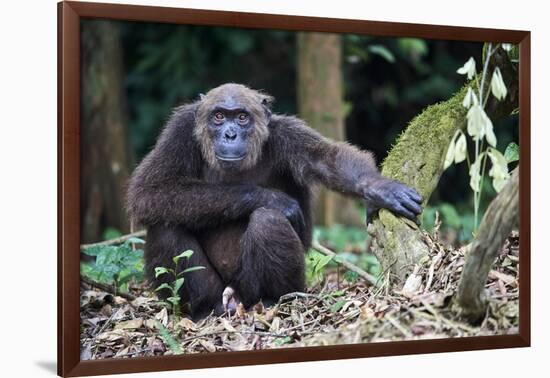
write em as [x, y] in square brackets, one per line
[105, 155]
[320, 104]
[417, 160]
[500, 219]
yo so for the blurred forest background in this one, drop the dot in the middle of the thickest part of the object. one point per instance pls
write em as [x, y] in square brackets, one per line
[363, 89]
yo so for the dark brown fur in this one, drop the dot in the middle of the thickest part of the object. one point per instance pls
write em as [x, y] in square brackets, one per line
[243, 224]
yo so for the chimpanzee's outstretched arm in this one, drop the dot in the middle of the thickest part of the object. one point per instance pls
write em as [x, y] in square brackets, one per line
[342, 168]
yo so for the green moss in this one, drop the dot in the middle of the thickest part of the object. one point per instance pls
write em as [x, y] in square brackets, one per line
[417, 157]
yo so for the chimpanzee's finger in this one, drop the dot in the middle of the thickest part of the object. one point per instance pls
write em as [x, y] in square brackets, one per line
[414, 195]
[404, 212]
[411, 205]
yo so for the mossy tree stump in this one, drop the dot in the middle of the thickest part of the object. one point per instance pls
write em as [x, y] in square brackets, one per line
[416, 160]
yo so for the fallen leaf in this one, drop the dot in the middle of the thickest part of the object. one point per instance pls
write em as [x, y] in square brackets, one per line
[241, 311]
[412, 285]
[106, 310]
[227, 326]
[507, 279]
[156, 346]
[271, 313]
[150, 323]
[208, 345]
[186, 324]
[116, 335]
[141, 301]
[119, 301]
[162, 316]
[366, 312]
[275, 324]
[353, 303]
[130, 324]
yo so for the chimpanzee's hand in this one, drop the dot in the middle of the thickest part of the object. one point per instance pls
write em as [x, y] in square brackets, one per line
[289, 207]
[383, 193]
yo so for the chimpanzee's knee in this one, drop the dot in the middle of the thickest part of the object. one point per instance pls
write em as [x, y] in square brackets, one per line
[272, 258]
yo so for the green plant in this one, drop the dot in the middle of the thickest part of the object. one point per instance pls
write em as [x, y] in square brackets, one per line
[169, 340]
[480, 129]
[315, 266]
[317, 263]
[345, 241]
[115, 265]
[174, 287]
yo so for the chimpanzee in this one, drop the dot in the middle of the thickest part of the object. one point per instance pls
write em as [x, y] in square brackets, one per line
[233, 182]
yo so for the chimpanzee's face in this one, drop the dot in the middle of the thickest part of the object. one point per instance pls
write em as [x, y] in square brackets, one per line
[232, 126]
[229, 126]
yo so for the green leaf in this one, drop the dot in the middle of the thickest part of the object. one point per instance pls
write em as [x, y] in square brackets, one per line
[134, 241]
[91, 251]
[160, 270]
[187, 254]
[178, 284]
[165, 286]
[192, 269]
[511, 153]
[351, 276]
[337, 259]
[282, 340]
[382, 51]
[414, 47]
[174, 300]
[337, 306]
[322, 262]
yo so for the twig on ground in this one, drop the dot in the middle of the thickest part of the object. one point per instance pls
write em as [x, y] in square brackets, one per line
[295, 295]
[432, 270]
[325, 251]
[121, 239]
[107, 288]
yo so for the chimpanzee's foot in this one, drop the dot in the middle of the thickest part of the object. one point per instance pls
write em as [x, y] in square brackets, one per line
[230, 300]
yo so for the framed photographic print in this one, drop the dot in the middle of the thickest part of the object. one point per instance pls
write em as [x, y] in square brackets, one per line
[239, 188]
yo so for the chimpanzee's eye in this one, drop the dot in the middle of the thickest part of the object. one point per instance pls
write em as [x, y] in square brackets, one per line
[219, 117]
[243, 118]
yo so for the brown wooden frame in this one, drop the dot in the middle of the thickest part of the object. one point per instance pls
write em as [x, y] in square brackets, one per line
[69, 15]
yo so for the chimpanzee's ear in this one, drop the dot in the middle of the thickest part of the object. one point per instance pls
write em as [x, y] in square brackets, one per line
[267, 102]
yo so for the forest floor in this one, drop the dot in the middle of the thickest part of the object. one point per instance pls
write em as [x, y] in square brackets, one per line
[328, 314]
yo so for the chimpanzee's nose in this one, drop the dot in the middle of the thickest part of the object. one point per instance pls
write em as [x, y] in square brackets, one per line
[230, 135]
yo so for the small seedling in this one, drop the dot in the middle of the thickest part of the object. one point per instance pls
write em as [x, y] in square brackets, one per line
[174, 287]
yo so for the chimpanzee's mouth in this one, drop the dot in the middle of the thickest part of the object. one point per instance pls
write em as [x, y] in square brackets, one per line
[230, 158]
